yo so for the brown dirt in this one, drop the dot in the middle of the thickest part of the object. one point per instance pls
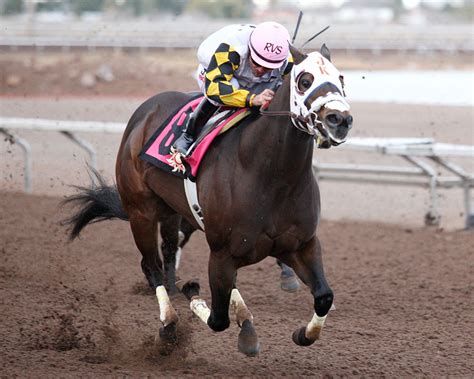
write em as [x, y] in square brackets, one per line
[404, 305]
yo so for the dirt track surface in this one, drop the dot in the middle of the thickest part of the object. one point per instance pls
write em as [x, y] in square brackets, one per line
[403, 296]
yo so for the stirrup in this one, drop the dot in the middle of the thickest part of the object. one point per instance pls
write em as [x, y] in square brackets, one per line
[183, 144]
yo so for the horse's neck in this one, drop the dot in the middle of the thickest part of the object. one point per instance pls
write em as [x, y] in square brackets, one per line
[277, 142]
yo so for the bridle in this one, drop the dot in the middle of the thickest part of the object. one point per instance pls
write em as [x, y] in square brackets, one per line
[321, 74]
[304, 120]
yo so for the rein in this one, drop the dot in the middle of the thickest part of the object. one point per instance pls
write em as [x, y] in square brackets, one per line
[264, 112]
[304, 120]
[283, 113]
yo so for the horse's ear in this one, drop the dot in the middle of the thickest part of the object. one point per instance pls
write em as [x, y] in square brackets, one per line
[325, 52]
[298, 56]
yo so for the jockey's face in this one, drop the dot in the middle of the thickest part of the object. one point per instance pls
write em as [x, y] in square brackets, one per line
[257, 70]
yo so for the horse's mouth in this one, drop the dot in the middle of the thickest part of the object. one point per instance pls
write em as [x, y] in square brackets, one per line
[336, 127]
[326, 142]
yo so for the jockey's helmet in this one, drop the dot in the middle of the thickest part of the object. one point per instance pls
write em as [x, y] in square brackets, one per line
[269, 44]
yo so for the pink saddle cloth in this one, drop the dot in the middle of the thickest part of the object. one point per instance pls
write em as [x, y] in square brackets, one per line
[158, 149]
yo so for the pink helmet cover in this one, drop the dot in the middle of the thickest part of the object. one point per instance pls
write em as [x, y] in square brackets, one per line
[269, 44]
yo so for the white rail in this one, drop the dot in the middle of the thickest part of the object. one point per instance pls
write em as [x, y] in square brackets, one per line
[192, 42]
[423, 154]
[187, 33]
[61, 125]
[66, 127]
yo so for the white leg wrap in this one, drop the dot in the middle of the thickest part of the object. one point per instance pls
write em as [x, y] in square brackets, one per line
[313, 329]
[238, 306]
[167, 312]
[200, 309]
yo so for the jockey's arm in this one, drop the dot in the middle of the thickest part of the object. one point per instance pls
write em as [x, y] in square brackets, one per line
[219, 73]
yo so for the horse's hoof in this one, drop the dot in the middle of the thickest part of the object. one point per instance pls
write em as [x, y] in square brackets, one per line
[289, 283]
[248, 341]
[189, 288]
[166, 340]
[299, 337]
[168, 333]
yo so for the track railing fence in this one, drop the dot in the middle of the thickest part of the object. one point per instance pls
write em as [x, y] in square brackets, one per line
[424, 155]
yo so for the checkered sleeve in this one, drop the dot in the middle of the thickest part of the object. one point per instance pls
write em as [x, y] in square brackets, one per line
[219, 72]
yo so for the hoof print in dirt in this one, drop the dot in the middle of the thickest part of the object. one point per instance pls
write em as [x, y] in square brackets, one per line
[94, 359]
[143, 289]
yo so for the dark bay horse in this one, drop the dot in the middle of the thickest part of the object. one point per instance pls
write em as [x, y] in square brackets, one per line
[258, 195]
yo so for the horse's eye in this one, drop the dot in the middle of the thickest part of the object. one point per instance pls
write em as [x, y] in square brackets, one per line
[305, 81]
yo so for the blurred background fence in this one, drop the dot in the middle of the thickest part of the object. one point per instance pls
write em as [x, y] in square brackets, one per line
[377, 26]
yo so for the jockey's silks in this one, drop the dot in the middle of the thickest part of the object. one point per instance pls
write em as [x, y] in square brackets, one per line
[228, 78]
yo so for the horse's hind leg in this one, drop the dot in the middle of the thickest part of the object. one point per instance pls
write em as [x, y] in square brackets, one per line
[185, 231]
[169, 229]
[288, 281]
[145, 232]
[308, 265]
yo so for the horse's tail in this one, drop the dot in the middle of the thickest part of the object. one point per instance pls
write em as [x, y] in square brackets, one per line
[97, 203]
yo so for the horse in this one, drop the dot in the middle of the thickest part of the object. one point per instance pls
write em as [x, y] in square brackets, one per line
[257, 191]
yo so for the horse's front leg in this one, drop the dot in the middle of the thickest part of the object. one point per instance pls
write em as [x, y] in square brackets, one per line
[248, 340]
[308, 265]
[222, 272]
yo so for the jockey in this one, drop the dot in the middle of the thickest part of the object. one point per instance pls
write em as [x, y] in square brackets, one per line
[239, 66]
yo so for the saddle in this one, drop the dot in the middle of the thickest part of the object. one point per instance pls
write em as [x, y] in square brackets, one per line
[158, 149]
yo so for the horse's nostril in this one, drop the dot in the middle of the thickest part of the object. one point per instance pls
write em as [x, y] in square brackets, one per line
[349, 121]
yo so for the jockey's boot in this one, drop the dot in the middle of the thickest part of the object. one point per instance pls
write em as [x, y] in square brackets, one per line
[195, 123]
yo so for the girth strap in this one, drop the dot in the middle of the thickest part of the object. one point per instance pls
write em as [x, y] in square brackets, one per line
[190, 190]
